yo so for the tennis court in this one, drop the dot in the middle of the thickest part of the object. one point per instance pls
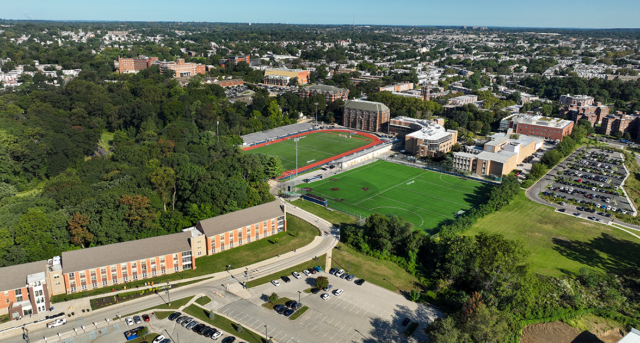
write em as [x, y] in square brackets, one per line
[312, 148]
[424, 198]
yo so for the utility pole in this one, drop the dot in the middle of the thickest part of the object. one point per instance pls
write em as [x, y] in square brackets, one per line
[217, 132]
[168, 295]
[316, 113]
[299, 293]
[266, 334]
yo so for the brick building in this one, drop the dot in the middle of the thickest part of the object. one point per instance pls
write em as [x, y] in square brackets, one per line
[549, 128]
[576, 100]
[134, 65]
[330, 93]
[182, 68]
[281, 77]
[398, 87]
[366, 115]
[592, 113]
[423, 137]
[27, 287]
[620, 121]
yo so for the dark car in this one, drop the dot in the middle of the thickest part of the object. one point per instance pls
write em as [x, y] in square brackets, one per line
[359, 282]
[280, 308]
[145, 317]
[333, 270]
[289, 312]
[297, 306]
[197, 327]
[291, 303]
[174, 315]
[406, 322]
[315, 290]
[326, 289]
[344, 275]
[230, 339]
[285, 279]
[312, 271]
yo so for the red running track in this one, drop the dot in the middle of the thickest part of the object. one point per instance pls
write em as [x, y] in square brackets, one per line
[374, 141]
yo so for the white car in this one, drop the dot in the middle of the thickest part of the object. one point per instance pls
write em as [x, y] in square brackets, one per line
[216, 335]
[338, 292]
[275, 283]
[325, 296]
[158, 339]
[306, 272]
[339, 272]
[56, 322]
[129, 321]
[296, 275]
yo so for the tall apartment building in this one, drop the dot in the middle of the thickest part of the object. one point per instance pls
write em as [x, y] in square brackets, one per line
[620, 121]
[592, 113]
[281, 76]
[134, 65]
[423, 137]
[28, 287]
[365, 115]
[549, 128]
[330, 93]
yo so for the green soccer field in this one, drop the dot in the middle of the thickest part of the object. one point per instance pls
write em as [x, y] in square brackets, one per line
[424, 198]
[314, 147]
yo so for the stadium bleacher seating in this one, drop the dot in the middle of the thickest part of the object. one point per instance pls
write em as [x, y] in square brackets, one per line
[278, 132]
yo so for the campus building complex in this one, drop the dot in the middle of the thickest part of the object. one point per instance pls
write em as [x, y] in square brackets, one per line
[330, 93]
[499, 156]
[366, 115]
[134, 65]
[423, 137]
[553, 129]
[281, 77]
[26, 288]
[182, 69]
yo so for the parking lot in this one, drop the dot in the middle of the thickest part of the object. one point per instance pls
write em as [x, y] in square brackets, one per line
[588, 184]
[362, 313]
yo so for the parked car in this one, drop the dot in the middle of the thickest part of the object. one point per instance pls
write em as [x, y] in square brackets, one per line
[351, 277]
[296, 275]
[280, 309]
[216, 334]
[289, 313]
[181, 319]
[145, 317]
[315, 290]
[339, 272]
[291, 303]
[57, 322]
[285, 279]
[174, 316]
[137, 319]
[325, 296]
[275, 283]
[317, 268]
[129, 321]
[326, 289]
[332, 271]
[338, 292]
[306, 272]
[191, 325]
[312, 271]
[187, 321]
[159, 339]
[359, 282]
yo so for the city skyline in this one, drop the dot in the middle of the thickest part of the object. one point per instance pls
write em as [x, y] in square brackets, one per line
[499, 13]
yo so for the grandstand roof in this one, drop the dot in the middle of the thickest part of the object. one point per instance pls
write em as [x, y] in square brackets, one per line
[267, 135]
[366, 106]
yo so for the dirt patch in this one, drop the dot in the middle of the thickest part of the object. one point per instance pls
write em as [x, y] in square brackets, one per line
[340, 200]
[333, 179]
[560, 332]
[306, 189]
[365, 189]
[335, 189]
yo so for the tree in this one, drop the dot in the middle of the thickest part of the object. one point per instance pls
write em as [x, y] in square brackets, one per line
[322, 282]
[626, 136]
[169, 73]
[618, 134]
[78, 230]
[239, 328]
[7, 190]
[486, 325]
[211, 315]
[163, 180]
[293, 81]
[443, 330]
[273, 298]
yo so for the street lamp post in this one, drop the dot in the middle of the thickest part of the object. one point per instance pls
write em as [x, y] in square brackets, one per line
[348, 262]
[299, 293]
[168, 295]
[217, 132]
[316, 113]
[266, 333]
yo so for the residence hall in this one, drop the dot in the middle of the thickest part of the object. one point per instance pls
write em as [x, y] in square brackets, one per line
[134, 65]
[499, 156]
[330, 93]
[553, 129]
[281, 76]
[26, 288]
[366, 115]
[620, 121]
[424, 137]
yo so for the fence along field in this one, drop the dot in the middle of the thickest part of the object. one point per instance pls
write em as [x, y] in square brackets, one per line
[424, 198]
[312, 148]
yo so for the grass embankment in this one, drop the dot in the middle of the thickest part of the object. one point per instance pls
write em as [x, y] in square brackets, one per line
[559, 243]
[334, 217]
[385, 274]
[105, 140]
[287, 272]
[203, 300]
[299, 313]
[176, 304]
[632, 183]
[223, 324]
[4, 318]
[163, 314]
[299, 233]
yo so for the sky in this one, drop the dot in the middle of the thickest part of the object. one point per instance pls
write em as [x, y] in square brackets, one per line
[501, 13]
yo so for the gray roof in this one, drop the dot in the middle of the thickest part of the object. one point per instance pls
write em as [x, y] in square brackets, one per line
[235, 220]
[83, 259]
[632, 337]
[500, 157]
[14, 277]
[366, 106]
[326, 88]
[281, 131]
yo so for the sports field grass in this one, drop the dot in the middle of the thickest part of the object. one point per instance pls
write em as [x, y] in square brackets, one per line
[424, 198]
[559, 243]
[314, 147]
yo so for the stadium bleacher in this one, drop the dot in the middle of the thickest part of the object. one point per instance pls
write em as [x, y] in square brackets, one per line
[278, 132]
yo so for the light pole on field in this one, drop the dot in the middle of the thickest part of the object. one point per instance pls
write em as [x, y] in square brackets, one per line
[316, 113]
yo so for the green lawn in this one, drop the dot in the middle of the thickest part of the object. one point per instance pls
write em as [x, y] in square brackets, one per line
[559, 243]
[287, 272]
[385, 274]
[203, 300]
[424, 198]
[299, 313]
[105, 140]
[334, 217]
[163, 314]
[4, 318]
[314, 147]
[175, 304]
[299, 233]
[223, 324]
